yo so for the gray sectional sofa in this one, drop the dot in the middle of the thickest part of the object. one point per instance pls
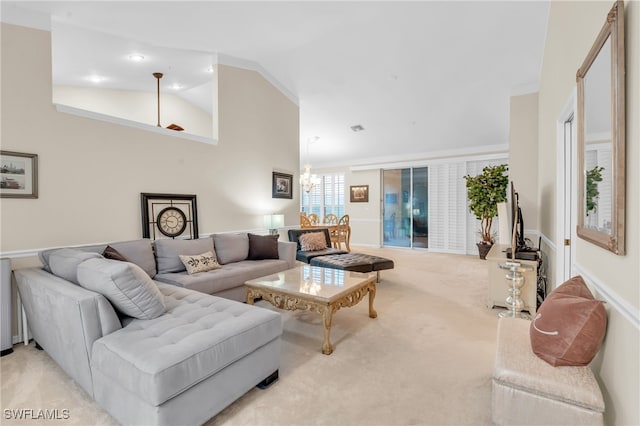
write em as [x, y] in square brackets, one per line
[152, 352]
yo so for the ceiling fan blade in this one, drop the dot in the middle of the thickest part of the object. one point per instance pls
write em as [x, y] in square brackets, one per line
[175, 127]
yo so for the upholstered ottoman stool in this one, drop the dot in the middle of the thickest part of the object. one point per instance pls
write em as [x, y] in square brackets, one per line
[356, 262]
[527, 390]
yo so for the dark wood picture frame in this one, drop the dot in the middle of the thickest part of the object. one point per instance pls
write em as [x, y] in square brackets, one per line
[153, 204]
[359, 193]
[281, 185]
[18, 175]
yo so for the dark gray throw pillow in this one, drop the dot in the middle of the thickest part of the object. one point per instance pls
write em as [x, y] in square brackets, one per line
[111, 253]
[263, 247]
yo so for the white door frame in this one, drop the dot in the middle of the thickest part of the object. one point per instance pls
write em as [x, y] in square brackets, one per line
[566, 189]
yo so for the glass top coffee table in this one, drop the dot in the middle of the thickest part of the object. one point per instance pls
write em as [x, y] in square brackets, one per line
[315, 289]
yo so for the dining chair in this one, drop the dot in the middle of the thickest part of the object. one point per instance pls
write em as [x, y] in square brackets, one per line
[330, 219]
[341, 233]
[304, 221]
[313, 218]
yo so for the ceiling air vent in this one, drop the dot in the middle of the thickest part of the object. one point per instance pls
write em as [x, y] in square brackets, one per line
[357, 128]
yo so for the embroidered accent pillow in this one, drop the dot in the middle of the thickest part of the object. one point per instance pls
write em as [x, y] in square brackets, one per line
[200, 263]
[312, 241]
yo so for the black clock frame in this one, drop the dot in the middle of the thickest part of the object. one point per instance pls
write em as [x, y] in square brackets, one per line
[180, 230]
[149, 221]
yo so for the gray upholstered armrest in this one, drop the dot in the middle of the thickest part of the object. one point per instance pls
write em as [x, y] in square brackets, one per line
[65, 319]
[287, 251]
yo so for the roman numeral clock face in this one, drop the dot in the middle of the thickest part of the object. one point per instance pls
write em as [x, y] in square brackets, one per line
[171, 221]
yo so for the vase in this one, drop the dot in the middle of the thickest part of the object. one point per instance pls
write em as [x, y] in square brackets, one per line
[483, 249]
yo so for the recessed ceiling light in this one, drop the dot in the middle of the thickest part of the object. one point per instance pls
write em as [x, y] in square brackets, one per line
[95, 78]
[357, 128]
[136, 58]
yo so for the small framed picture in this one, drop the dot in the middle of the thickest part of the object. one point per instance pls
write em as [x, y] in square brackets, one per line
[281, 185]
[18, 175]
[359, 193]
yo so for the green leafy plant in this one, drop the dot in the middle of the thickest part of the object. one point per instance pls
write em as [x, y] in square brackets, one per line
[593, 177]
[485, 191]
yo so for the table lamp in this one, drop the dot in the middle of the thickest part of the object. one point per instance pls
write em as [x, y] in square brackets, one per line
[273, 222]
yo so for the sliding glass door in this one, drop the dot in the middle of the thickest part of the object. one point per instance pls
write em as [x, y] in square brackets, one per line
[405, 207]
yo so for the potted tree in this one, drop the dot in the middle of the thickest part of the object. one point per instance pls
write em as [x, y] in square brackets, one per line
[485, 191]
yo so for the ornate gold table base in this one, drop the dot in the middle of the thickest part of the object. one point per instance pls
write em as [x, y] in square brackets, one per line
[307, 302]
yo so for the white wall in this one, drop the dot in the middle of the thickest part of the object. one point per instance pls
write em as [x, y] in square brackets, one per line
[91, 173]
[572, 29]
[138, 106]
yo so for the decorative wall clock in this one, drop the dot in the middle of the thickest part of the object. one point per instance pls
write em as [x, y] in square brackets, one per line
[169, 215]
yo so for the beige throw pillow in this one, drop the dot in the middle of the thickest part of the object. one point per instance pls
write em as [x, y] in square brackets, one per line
[312, 241]
[200, 263]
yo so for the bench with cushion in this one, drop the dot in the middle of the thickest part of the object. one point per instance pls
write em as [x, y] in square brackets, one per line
[542, 373]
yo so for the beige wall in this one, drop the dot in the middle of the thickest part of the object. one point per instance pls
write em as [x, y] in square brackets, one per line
[523, 154]
[572, 29]
[138, 106]
[364, 217]
[91, 173]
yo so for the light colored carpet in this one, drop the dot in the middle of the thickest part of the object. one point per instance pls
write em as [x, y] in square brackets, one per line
[426, 360]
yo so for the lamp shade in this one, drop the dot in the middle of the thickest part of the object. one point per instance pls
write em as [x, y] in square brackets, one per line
[273, 221]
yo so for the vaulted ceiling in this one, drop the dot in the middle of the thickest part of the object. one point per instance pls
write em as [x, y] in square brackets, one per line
[421, 77]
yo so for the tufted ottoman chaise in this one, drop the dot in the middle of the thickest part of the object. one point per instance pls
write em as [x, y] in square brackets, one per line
[336, 258]
[356, 262]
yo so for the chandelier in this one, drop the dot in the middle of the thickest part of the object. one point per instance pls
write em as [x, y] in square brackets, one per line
[307, 180]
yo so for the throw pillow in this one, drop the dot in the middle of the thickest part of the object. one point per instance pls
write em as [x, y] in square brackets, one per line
[111, 253]
[139, 252]
[575, 286]
[64, 262]
[231, 247]
[312, 241]
[168, 252]
[568, 330]
[127, 286]
[200, 263]
[263, 247]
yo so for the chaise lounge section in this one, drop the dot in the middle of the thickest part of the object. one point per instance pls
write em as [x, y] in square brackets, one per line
[150, 352]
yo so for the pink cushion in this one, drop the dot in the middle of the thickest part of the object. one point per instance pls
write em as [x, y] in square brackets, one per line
[569, 327]
[312, 241]
[575, 286]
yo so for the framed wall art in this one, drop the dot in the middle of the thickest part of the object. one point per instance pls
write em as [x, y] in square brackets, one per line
[18, 175]
[359, 193]
[281, 185]
[169, 216]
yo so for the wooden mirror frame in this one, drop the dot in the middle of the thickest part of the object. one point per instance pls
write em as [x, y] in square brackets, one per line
[613, 29]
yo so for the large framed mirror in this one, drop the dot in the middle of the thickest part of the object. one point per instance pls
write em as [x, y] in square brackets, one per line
[601, 137]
